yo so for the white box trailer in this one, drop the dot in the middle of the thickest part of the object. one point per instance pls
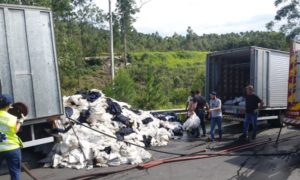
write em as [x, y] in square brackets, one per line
[229, 72]
[29, 70]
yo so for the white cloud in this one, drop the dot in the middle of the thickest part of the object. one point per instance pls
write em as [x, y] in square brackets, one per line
[204, 16]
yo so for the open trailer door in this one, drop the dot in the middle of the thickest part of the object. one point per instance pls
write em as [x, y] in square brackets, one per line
[293, 111]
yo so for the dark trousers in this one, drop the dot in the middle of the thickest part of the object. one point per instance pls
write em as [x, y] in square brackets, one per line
[201, 115]
[13, 160]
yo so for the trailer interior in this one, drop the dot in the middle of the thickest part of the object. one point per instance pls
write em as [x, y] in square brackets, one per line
[230, 72]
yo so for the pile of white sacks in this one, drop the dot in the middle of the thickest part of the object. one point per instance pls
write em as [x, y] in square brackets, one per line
[97, 149]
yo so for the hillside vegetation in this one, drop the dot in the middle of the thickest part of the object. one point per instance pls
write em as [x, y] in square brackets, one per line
[156, 80]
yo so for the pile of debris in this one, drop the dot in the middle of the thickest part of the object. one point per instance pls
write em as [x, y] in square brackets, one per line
[81, 147]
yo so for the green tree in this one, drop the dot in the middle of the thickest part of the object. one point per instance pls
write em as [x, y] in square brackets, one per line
[123, 88]
[289, 14]
[117, 34]
[152, 95]
[190, 39]
[126, 9]
[174, 42]
[62, 9]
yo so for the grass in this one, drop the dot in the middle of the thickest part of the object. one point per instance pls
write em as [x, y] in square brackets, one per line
[172, 59]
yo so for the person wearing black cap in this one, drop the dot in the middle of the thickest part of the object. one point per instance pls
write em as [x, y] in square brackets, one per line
[215, 111]
[10, 143]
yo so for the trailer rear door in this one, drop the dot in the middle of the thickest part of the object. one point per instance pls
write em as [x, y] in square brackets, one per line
[278, 79]
[29, 70]
[271, 76]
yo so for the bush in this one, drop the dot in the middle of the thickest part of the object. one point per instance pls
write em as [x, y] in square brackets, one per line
[151, 96]
[179, 96]
[123, 88]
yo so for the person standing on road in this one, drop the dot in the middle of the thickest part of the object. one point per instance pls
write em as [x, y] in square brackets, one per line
[200, 111]
[215, 111]
[10, 143]
[253, 103]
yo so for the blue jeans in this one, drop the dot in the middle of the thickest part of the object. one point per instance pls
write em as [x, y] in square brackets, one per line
[250, 118]
[213, 122]
[201, 115]
[13, 160]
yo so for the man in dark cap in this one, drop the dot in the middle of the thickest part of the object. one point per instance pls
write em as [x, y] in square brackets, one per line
[10, 143]
[215, 111]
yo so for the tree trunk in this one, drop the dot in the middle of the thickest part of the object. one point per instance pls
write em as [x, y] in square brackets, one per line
[125, 49]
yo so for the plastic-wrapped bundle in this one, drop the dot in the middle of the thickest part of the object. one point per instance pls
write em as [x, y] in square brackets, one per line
[235, 101]
[228, 102]
[192, 122]
[242, 103]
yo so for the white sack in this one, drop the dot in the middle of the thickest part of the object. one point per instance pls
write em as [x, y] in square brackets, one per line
[192, 122]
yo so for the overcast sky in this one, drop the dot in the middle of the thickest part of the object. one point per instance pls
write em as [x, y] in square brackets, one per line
[204, 16]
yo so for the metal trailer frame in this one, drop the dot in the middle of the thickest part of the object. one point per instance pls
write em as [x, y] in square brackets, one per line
[29, 64]
[265, 75]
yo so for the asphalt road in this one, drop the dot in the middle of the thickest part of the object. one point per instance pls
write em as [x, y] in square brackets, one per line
[215, 168]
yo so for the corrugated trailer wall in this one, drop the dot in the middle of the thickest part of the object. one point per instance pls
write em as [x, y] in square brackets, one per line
[259, 69]
[29, 68]
[271, 76]
[278, 77]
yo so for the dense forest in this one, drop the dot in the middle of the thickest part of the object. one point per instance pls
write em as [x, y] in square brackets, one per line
[153, 71]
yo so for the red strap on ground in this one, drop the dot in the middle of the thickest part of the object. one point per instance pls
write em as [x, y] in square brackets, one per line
[185, 158]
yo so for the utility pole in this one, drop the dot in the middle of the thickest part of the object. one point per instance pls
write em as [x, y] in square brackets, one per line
[111, 43]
